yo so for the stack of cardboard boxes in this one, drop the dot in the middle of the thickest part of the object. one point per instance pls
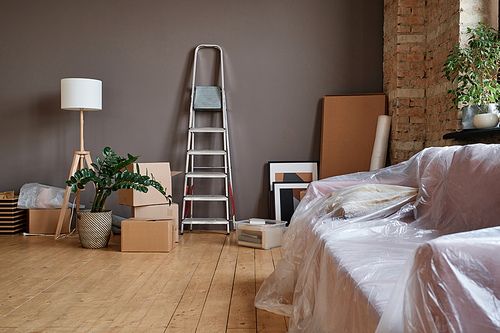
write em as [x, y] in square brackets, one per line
[154, 224]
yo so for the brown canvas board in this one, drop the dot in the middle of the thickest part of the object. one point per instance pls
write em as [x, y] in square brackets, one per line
[348, 128]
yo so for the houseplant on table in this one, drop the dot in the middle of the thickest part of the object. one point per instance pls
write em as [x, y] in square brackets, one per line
[473, 72]
[108, 175]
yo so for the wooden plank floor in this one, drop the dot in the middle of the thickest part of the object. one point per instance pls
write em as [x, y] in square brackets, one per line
[207, 283]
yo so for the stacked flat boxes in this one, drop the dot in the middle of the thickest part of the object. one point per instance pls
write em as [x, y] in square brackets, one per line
[12, 219]
[146, 230]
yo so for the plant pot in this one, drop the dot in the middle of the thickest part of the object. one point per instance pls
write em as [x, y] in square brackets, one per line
[94, 229]
[469, 111]
[485, 120]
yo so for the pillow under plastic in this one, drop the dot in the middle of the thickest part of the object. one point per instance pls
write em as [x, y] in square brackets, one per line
[34, 195]
[364, 199]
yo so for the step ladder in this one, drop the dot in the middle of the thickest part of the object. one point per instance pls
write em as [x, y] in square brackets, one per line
[208, 99]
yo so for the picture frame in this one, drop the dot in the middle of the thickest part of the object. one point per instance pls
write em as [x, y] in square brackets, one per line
[289, 172]
[286, 199]
[292, 172]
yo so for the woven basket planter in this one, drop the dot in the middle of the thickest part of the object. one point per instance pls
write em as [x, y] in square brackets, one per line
[94, 229]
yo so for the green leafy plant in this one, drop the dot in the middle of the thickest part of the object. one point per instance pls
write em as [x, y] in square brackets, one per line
[109, 175]
[473, 69]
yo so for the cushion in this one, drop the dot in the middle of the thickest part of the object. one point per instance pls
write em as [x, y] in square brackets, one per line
[363, 199]
[466, 196]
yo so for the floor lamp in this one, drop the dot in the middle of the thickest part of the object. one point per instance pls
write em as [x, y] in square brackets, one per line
[78, 95]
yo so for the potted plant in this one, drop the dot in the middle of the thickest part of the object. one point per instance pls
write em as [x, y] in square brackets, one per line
[109, 175]
[473, 72]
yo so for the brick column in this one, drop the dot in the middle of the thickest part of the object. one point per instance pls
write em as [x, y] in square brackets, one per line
[405, 75]
[443, 33]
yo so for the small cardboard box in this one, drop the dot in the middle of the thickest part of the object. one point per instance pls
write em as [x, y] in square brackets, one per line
[12, 219]
[160, 172]
[261, 236]
[146, 235]
[44, 221]
[165, 211]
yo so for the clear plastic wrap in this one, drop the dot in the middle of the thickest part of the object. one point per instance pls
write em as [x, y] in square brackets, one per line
[340, 274]
[34, 195]
[449, 285]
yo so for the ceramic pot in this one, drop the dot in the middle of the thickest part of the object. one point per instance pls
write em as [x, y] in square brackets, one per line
[94, 229]
[469, 111]
[485, 120]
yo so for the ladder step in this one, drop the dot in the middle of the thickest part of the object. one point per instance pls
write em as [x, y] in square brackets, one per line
[206, 175]
[206, 152]
[206, 130]
[205, 221]
[206, 197]
[207, 98]
[209, 167]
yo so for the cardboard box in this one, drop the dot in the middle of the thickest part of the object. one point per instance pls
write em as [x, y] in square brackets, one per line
[261, 236]
[348, 132]
[146, 235]
[12, 219]
[161, 173]
[165, 211]
[44, 221]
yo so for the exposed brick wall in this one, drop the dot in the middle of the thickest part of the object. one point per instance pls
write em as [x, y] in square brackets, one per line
[405, 45]
[442, 34]
[418, 34]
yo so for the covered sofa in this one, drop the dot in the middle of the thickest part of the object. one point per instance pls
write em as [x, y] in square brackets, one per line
[413, 247]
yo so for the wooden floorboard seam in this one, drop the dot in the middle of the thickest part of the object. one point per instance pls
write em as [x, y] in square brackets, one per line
[183, 293]
[211, 281]
[232, 289]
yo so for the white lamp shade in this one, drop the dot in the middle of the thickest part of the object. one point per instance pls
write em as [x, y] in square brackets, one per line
[81, 94]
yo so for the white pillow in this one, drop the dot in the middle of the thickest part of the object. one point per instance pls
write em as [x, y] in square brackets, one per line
[363, 199]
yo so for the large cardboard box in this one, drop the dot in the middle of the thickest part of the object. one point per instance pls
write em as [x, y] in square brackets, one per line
[146, 235]
[164, 211]
[44, 221]
[348, 131]
[161, 173]
[12, 219]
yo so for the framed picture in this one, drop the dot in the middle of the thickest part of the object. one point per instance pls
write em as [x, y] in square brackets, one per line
[292, 172]
[286, 199]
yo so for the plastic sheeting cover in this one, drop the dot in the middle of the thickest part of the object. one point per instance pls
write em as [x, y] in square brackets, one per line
[340, 274]
[34, 195]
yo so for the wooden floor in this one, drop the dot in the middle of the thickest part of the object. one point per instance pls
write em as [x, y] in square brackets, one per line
[205, 284]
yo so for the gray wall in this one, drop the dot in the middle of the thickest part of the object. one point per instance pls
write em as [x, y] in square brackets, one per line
[281, 58]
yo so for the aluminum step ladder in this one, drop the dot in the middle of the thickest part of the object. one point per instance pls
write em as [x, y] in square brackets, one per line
[208, 99]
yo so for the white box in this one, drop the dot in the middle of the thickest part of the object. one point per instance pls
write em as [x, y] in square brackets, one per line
[261, 236]
[164, 211]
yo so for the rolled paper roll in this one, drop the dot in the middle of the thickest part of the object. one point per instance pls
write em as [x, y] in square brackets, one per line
[379, 153]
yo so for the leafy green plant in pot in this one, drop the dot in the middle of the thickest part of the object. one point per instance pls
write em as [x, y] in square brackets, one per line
[110, 174]
[473, 72]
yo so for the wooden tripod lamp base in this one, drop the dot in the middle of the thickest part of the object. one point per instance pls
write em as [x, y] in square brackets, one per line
[78, 158]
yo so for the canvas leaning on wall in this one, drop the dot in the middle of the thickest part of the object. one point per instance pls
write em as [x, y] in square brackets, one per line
[288, 178]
